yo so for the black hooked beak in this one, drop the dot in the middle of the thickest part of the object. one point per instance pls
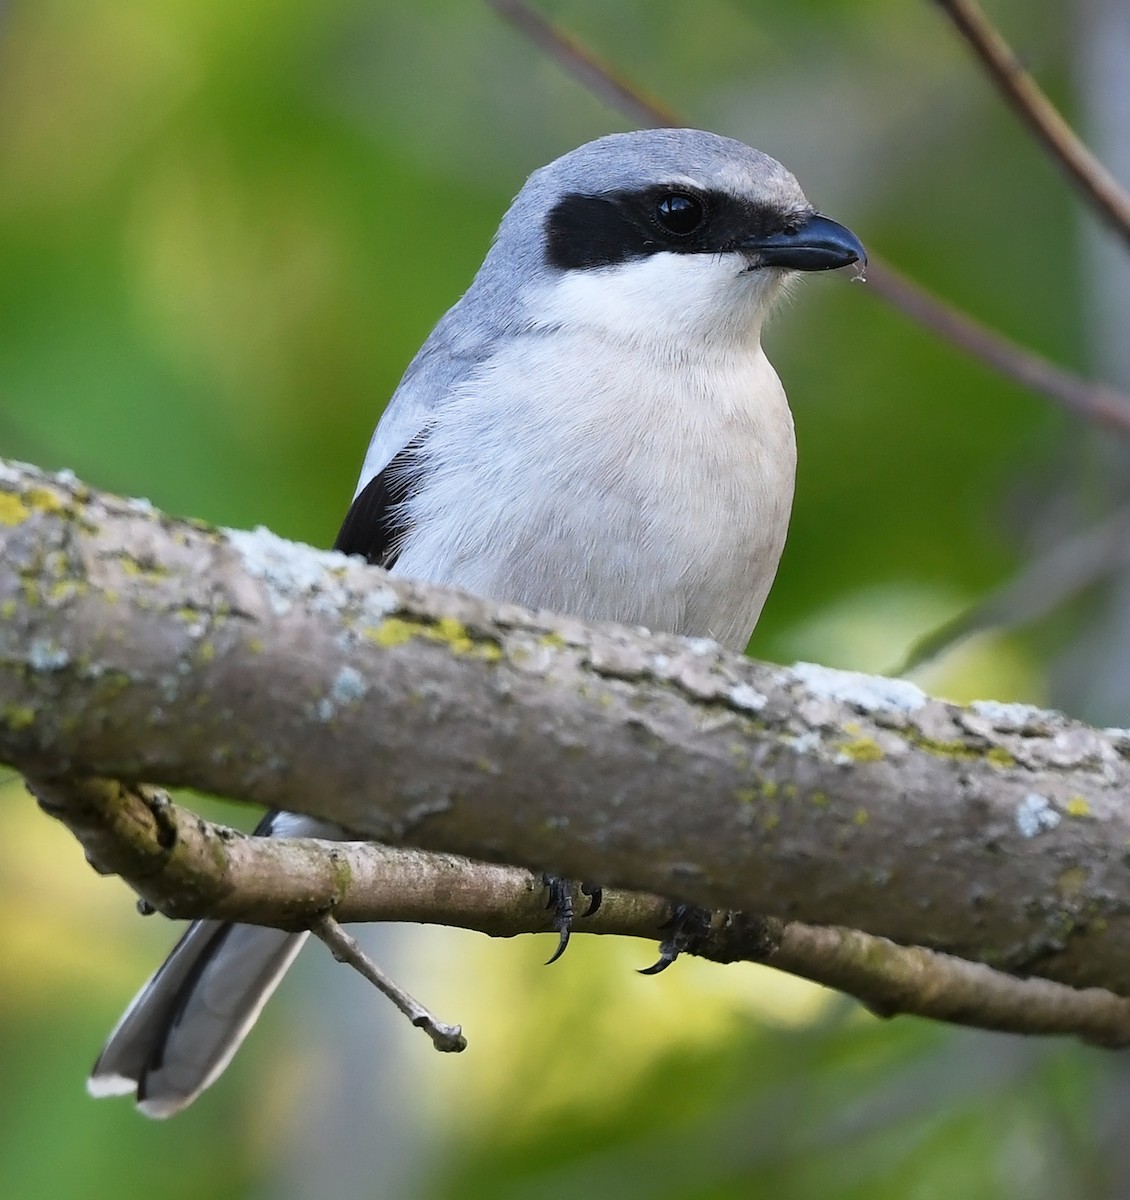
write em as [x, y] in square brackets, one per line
[820, 244]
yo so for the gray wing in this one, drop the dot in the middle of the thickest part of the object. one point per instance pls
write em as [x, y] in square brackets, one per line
[189, 1019]
[463, 338]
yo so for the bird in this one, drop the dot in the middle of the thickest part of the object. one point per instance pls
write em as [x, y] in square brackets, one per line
[594, 429]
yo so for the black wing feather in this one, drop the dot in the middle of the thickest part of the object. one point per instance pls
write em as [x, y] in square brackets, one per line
[376, 524]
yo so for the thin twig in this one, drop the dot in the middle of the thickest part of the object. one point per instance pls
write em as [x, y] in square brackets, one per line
[580, 62]
[448, 1039]
[1068, 569]
[1090, 177]
[1096, 402]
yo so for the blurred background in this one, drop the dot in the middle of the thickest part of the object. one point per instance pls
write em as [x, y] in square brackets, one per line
[225, 229]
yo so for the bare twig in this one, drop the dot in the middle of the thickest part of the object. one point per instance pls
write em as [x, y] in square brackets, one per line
[580, 62]
[1095, 401]
[448, 1039]
[1065, 571]
[1090, 177]
[216, 873]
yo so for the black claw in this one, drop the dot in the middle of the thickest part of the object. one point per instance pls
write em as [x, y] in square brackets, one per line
[689, 926]
[665, 960]
[561, 902]
[562, 945]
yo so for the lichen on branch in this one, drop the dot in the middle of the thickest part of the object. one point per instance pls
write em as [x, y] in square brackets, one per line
[140, 648]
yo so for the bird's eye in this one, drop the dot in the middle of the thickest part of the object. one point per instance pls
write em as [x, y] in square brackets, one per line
[679, 213]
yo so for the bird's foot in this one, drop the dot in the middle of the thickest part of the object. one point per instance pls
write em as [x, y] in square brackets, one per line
[687, 928]
[561, 902]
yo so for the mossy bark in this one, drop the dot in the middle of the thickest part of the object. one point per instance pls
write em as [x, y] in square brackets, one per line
[139, 648]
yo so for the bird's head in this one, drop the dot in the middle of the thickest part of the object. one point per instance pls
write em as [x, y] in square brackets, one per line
[669, 233]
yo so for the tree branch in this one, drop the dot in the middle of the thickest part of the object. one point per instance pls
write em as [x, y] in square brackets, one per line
[140, 648]
[188, 867]
[1097, 402]
[1096, 184]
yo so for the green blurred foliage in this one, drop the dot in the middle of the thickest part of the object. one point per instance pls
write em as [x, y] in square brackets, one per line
[224, 229]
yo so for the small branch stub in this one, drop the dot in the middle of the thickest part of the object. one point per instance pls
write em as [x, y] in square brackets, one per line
[448, 1039]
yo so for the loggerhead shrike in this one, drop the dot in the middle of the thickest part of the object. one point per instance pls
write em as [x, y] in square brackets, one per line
[594, 429]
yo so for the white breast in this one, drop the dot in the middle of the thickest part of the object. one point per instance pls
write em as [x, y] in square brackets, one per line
[615, 464]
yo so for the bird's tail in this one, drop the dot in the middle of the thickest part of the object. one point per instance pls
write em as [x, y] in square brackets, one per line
[182, 1029]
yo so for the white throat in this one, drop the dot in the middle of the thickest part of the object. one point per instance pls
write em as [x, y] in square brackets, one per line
[675, 300]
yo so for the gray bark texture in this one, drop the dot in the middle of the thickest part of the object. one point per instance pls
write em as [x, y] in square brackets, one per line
[139, 648]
